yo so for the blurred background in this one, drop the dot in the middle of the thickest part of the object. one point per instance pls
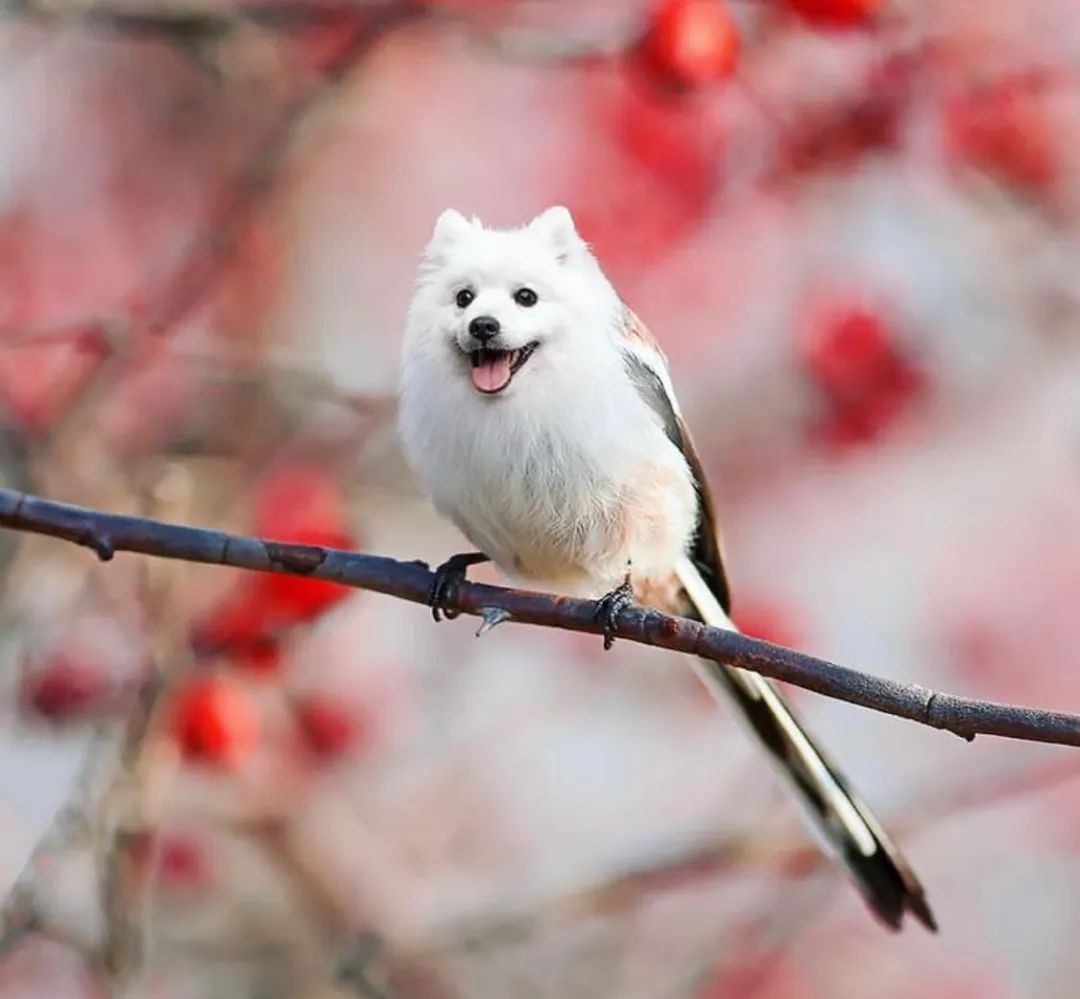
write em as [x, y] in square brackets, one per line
[854, 225]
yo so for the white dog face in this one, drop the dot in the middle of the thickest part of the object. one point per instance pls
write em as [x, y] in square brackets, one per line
[502, 305]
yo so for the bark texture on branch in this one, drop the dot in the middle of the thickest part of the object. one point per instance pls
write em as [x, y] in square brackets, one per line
[107, 533]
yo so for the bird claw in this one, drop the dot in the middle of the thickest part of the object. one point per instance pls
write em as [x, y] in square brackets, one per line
[492, 618]
[610, 606]
[448, 577]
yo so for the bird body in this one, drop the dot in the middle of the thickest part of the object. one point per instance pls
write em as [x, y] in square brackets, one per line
[538, 412]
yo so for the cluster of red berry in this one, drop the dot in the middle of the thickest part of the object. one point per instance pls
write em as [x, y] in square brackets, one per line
[989, 123]
[213, 720]
[693, 42]
[211, 715]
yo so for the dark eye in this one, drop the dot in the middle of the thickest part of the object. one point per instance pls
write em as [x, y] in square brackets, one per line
[525, 297]
[464, 297]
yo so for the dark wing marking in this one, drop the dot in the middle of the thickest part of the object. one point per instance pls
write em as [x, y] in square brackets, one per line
[651, 389]
[705, 552]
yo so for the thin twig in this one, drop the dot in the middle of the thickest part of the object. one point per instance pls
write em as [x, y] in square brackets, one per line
[188, 21]
[107, 533]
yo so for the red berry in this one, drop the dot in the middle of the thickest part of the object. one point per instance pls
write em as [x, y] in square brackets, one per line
[865, 378]
[692, 42]
[329, 728]
[665, 157]
[64, 688]
[296, 503]
[240, 632]
[1005, 130]
[239, 623]
[291, 599]
[835, 134]
[259, 658]
[846, 349]
[767, 622]
[179, 860]
[303, 505]
[214, 722]
[37, 381]
[296, 499]
[247, 626]
[837, 13]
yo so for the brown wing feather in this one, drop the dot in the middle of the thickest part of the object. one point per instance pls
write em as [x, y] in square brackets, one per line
[638, 333]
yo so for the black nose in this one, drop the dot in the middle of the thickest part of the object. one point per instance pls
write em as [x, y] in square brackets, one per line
[484, 327]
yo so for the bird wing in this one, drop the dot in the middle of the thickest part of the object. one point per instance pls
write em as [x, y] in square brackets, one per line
[648, 370]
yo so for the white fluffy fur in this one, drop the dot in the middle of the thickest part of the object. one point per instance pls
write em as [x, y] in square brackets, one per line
[566, 476]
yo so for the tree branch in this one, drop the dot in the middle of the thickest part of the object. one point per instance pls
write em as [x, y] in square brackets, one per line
[107, 533]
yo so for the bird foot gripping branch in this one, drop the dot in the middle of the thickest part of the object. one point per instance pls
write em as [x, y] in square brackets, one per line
[448, 578]
[610, 606]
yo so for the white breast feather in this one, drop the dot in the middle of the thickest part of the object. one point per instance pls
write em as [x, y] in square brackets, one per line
[544, 482]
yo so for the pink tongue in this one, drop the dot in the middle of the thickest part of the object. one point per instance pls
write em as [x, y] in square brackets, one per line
[492, 375]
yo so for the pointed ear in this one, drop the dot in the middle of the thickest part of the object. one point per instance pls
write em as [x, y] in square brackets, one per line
[556, 226]
[449, 227]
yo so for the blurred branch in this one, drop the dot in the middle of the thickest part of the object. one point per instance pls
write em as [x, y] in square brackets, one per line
[214, 366]
[168, 301]
[747, 851]
[535, 45]
[190, 281]
[124, 893]
[72, 829]
[187, 22]
[185, 286]
[191, 22]
[107, 534]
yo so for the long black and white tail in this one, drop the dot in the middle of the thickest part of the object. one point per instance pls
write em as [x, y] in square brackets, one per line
[839, 816]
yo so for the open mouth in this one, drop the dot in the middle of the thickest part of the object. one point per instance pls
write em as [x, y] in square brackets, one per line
[493, 370]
